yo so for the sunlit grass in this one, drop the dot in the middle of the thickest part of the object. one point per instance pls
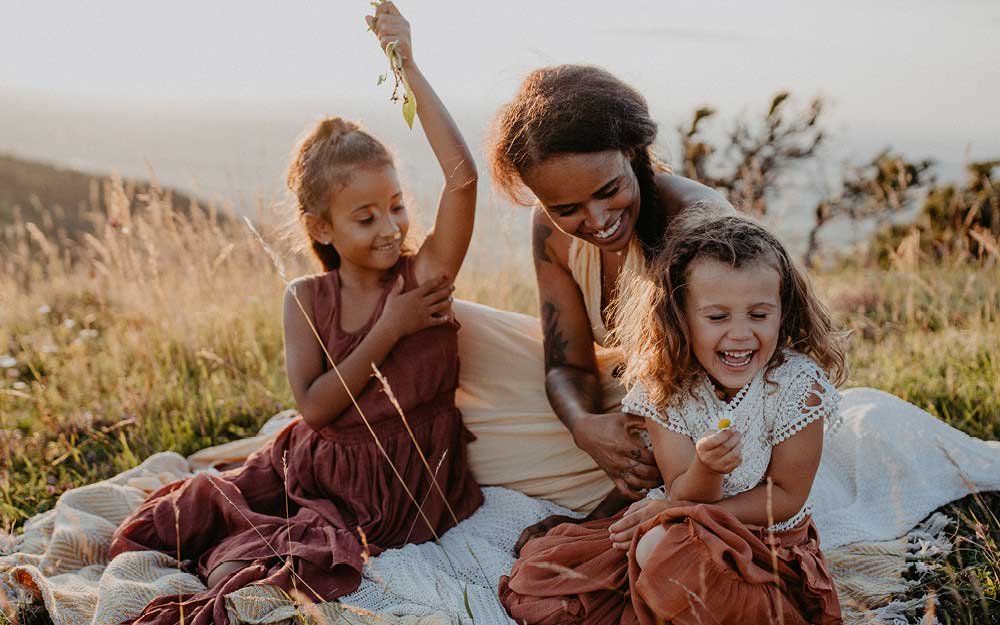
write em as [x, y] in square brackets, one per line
[163, 332]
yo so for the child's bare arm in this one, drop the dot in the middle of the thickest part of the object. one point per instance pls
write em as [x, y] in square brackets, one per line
[685, 474]
[320, 394]
[793, 467]
[446, 244]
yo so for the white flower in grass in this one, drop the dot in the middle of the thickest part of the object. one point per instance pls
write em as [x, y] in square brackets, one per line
[88, 334]
[20, 386]
[69, 323]
[6, 362]
[44, 309]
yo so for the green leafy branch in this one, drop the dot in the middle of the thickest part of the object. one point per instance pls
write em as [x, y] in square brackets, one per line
[399, 77]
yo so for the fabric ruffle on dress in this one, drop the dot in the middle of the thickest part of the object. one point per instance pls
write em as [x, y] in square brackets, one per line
[298, 510]
[709, 569]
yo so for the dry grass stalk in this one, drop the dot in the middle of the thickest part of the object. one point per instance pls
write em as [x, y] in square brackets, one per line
[319, 597]
[420, 452]
[288, 521]
[774, 550]
[423, 458]
[177, 536]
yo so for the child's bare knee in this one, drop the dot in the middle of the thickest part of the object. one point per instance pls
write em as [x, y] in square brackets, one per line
[648, 544]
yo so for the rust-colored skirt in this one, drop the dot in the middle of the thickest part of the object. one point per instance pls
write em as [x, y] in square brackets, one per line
[296, 512]
[709, 569]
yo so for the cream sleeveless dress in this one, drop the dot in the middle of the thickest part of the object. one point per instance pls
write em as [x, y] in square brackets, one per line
[521, 444]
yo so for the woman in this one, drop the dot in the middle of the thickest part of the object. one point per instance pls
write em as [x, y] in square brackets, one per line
[580, 140]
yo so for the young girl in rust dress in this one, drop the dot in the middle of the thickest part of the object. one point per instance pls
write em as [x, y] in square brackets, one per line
[295, 515]
[728, 357]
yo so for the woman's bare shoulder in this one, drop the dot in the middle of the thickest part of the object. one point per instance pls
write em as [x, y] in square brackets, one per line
[548, 243]
[678, 194]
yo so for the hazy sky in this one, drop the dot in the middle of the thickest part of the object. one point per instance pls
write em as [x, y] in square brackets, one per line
[921, 76]
[900, 61]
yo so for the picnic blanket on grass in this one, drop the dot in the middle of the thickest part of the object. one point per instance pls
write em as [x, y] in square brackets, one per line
[896, 466]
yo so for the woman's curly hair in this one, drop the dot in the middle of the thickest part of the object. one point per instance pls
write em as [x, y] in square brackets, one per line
[650, 323]
[578, 109]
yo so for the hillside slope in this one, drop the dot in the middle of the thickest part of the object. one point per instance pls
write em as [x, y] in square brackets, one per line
[60, 200]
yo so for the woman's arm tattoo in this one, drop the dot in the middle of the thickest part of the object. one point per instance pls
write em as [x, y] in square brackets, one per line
[554, 343]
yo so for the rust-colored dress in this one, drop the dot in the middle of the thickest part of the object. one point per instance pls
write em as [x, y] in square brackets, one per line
[336, 483]
[710, 568]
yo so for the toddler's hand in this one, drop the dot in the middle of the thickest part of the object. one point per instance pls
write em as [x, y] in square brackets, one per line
[423, 307]
[389, 25]
[720, 451]
[622, 530]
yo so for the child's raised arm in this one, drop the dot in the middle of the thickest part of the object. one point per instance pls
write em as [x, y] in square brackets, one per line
[446, 244]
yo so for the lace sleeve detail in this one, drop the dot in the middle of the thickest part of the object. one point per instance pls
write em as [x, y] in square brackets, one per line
[806, 395]
[636, 402]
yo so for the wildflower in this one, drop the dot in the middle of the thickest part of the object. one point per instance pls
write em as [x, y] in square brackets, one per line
[88, 333]
[20, 386]
[69, 323]
[13, 373]
[724, 423]
[44, 309]
[6, 362]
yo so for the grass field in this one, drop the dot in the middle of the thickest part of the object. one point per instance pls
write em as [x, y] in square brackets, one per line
[163, 331]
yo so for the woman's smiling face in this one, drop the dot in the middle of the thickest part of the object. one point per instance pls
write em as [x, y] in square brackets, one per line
[593, 196]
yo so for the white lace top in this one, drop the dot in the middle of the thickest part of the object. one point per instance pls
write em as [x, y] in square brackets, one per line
[767, 411]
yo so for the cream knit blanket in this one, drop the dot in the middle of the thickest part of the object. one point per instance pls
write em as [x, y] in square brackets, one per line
[60, 562]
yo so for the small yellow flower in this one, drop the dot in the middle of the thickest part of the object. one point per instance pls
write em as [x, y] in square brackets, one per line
[724, 423]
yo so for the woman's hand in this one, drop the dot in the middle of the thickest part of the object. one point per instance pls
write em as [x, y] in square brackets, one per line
[612, 440]
[426, 306]
[541, 529]
[623, 529]
[721, 451]
[389, 25]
